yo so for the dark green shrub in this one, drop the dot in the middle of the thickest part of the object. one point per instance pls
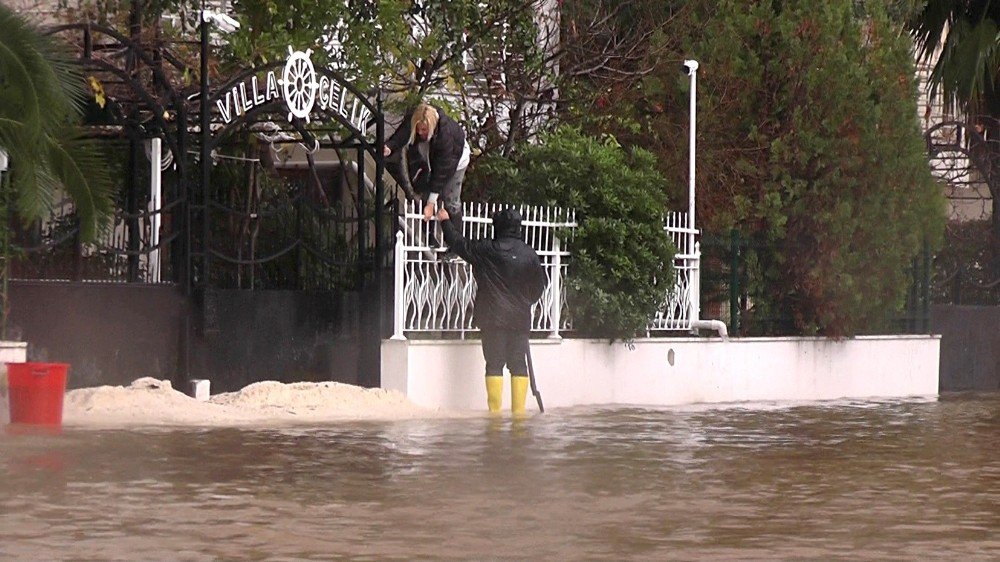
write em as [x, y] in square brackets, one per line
[808, 142]
[619, 246]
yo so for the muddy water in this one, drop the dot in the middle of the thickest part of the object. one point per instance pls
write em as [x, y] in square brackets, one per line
[899, 480]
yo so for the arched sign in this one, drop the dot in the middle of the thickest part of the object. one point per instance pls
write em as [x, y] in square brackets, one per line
[301, 91]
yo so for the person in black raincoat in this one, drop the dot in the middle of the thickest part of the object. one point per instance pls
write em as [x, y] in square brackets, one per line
[509, 279]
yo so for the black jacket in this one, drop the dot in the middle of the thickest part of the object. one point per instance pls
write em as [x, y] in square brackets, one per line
[446, 148]
[509, 275]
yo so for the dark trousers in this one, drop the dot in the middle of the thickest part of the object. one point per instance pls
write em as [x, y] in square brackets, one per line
[505, 347]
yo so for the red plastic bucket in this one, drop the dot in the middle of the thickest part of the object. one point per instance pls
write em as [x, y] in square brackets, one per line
[35, 392]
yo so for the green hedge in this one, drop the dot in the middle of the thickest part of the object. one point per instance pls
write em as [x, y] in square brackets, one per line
[622, 261]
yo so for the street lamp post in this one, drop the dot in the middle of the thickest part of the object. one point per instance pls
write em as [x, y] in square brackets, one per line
[691, 67]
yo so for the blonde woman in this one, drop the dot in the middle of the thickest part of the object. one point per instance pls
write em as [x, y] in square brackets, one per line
[437, 155]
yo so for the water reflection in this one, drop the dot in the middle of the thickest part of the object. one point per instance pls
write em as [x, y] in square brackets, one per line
[878, 479]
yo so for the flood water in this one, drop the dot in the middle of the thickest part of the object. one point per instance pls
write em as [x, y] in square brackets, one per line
[910, 480]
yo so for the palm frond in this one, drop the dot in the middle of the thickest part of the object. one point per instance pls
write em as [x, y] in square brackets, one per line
[967, 64]
[963, 35]
[45, 64]
[81, 172]
[931, 24]
[16, 137]
[41, 96]
[35, 190]
[20, 102]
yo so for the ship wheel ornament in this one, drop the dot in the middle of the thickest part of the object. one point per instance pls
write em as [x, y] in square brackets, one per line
[298, 84]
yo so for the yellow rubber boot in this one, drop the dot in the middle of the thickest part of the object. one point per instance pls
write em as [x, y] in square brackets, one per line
[518, 392]
[494, 392]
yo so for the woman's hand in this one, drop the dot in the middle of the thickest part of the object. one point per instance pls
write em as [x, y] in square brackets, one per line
[443, 214]
[429, 211]
[386, 151]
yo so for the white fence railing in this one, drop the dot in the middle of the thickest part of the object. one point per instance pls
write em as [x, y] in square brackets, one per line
[433, 294]
[681, 305]
[437, 295]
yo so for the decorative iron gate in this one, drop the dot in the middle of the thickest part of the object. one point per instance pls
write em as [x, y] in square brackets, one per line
[259, 224]
[270, 216]
[260, 202]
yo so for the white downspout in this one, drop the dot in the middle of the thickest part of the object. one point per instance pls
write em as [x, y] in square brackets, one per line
[717, 325]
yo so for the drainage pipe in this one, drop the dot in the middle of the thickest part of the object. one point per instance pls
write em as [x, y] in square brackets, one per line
[717, 325]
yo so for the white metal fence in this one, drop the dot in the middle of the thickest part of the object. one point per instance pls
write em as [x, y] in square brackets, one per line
[437, 295]
[681, 304]
[433, 294]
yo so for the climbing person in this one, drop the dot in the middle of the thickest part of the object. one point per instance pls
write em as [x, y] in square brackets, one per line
[509, 279]
[437, 156]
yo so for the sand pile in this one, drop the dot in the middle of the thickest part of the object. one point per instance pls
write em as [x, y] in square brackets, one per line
[148, 401]
[316, 397]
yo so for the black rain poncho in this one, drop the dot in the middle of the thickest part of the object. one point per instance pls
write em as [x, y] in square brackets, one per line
[509, 276]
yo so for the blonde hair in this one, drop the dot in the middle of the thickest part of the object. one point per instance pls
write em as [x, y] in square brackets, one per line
[423, 114]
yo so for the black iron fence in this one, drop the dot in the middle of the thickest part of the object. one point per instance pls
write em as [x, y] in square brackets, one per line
[289, 294]
[734, 290]
[967, 267]
[264, 232]
[141, 244]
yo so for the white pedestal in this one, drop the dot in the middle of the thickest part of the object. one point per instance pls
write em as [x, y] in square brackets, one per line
[200, 389]
[10, 352]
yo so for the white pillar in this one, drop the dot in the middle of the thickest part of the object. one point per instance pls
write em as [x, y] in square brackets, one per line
[696, 284]
[398, 304]
[556, 312]
[692, 69]
[155, 205]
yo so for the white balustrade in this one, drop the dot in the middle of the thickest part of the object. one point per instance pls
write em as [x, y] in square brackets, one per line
[681, 305]
[437, 295]
[433, 294]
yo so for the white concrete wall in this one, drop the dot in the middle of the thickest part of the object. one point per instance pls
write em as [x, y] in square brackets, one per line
[673, 371]
[10, 352]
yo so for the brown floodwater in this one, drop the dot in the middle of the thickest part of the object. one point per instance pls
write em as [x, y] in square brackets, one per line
[911, 480]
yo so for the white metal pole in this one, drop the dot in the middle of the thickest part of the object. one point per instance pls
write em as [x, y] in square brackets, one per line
[696, 284]
[692, 69]
[556, 314]
[155, 204]
[398, 305]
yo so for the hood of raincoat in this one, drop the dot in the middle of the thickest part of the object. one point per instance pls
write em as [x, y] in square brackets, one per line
[507, 224]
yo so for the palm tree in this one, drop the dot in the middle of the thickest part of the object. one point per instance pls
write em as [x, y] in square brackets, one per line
[967, 69]
[41, 101]
[966, 32]
[41, 94]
